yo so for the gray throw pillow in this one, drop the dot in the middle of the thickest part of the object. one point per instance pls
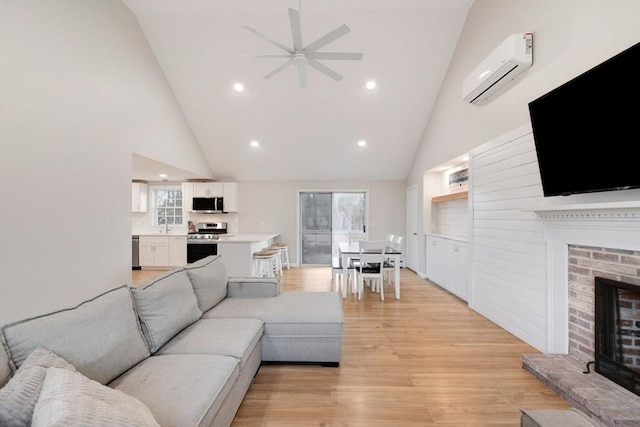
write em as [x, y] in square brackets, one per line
[166, 305]
[209, 279]
[19, 396]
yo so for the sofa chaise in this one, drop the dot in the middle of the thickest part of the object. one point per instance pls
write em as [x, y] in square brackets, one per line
[178, 350]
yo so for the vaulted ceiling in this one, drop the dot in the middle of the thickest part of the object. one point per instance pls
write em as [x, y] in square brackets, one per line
[308, 133]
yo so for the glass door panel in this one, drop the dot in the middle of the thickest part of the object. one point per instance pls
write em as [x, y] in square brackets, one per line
[315, 228]
[326, 218]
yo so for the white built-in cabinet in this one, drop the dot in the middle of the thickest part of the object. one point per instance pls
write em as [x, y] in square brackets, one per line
[139, 197]
[227, 190]
[456, 268]
[448, 264]
[208, 189]
[163, 251]
[435, 259]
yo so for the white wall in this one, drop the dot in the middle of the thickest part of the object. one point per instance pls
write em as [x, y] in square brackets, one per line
[274, 203]
[569, 37]
[80, 89]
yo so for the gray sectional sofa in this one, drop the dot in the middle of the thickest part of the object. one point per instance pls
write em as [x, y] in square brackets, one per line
[185, 345]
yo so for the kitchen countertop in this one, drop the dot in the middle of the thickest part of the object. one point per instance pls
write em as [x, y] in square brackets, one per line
[247, 238]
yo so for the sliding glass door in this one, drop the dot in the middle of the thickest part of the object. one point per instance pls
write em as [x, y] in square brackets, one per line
[326, 218]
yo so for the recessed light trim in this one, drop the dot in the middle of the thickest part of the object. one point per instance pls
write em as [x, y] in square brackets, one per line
[254, 144]
[371, 85]
[163, 175]
[238, 87]
[362, 143]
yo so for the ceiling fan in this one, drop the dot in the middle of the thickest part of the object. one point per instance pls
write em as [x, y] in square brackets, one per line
[301, 55]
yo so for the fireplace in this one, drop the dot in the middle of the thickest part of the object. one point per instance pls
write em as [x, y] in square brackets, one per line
[617, 332]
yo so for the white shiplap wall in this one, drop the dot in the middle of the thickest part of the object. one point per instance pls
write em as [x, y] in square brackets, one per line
[509, 262]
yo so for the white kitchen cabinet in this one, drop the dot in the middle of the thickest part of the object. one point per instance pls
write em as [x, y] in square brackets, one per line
[208, 189]
[230, 194]
[187, 196]
[456, 268]
[177, 251]
[435, 259]
[139, 197]
[154, 251]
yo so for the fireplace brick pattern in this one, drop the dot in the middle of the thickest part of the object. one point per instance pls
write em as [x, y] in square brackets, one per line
[585, 263]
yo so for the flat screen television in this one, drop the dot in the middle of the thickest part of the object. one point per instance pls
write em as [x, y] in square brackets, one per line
[587, 131]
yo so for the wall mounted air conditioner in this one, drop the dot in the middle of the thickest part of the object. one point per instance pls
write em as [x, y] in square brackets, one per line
[510, 59]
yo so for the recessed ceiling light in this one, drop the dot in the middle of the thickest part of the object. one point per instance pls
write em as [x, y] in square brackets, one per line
[163, 175]
[254, 144]
[362, 143]
[238, 87]
[371, 84]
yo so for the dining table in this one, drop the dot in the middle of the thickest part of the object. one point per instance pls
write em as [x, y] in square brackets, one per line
[352, 250]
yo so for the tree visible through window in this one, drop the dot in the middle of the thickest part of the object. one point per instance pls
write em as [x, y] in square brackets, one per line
[168, 206]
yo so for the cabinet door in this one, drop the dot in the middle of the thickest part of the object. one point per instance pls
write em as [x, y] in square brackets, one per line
[177, 251]
[456, 259]
[146, 251]
[187, 196]
[435, 259]
[161, 252]
[230, 190]
[139, 197]
[208, 189]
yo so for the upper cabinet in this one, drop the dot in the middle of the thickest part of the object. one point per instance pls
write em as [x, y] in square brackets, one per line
[208, 189]
[139, 197]
[230, 194]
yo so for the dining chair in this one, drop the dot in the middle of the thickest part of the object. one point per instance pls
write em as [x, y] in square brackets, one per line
[395, 242]
[371, 257]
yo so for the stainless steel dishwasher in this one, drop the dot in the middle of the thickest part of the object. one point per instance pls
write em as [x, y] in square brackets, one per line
[135, 253]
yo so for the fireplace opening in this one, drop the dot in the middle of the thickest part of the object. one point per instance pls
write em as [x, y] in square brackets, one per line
[617, 332]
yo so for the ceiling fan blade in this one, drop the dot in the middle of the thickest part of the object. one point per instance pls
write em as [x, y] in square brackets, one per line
[264, 56]
[327, 38]
[302, 72]
[296, 30]
[280, 68]
[267, 38]
[324, 69]
[335, 55]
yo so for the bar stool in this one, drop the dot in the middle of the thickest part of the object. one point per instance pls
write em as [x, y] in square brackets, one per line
[284, 252]
[264, 263]
[278, 259]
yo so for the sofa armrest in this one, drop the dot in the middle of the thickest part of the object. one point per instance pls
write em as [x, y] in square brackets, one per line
[252, 287]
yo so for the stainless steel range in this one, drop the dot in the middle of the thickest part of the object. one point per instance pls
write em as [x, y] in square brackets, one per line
[203, 242]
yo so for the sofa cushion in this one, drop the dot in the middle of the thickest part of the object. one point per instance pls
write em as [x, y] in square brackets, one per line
[209, 279]
[19, 396]
[290, 313]
[181, 390]
[166, 305]
[227, 337]
[101, 337]
[5, 367]
[71, 399]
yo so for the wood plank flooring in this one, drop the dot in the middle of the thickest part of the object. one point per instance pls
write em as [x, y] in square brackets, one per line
[423, 360]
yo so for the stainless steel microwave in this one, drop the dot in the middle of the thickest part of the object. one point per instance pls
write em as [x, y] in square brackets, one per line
[208, 204]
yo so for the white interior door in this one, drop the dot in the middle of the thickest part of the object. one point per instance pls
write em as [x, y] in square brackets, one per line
[411, 217]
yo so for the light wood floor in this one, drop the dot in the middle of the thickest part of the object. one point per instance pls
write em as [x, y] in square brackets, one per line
[423, 360]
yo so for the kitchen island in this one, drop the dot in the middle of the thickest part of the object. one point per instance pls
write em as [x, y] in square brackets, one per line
[237, 251]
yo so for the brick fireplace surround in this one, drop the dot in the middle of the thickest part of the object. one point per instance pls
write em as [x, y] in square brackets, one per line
[585, 245]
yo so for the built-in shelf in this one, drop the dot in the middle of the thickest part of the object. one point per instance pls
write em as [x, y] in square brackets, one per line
[452, 196]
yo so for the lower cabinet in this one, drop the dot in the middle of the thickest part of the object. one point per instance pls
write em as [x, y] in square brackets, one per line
[163, 251]
[448, 264]
[456, 268]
